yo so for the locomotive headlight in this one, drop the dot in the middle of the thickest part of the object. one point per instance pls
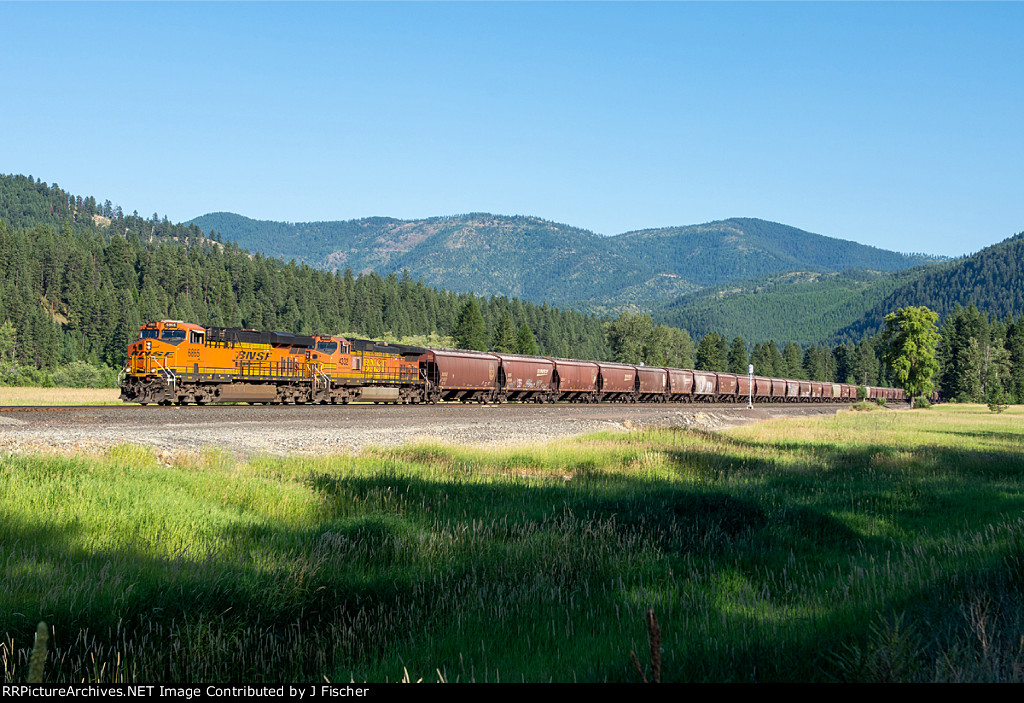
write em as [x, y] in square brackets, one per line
[149, 345]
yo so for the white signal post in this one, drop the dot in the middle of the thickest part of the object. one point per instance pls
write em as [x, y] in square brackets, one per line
[750, 388]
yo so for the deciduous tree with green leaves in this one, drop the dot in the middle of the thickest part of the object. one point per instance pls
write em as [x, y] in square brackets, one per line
[910, 339]
[627, 336]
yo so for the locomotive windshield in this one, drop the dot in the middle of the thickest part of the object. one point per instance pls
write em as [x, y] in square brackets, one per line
[148, 334]
[172, 335]
[327, 347]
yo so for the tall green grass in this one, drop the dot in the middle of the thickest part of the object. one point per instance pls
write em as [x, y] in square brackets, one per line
[870, 547]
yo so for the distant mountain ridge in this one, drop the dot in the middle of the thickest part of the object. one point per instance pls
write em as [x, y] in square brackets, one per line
[992, 280]
[809, 307]
[543, 261]
[664, 271]
[805, 307]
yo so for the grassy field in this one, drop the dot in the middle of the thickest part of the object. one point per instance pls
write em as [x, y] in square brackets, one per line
[13, 395]
[873, 546]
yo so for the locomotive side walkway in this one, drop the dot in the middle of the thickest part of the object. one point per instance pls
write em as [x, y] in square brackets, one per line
[317, 429]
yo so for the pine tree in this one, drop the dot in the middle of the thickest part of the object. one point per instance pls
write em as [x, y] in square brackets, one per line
[722, 353]
[997, 399]
[525, 342]
[794, 361]
[760, 359]
[738, 356]
[778, 364]
[504, 335]
[470, 331]
[712, 353]
[961, 354]
[1015, 347]
[865, 364]
[8, 342]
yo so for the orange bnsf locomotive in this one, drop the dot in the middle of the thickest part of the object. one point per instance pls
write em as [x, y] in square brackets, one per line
[174, 362]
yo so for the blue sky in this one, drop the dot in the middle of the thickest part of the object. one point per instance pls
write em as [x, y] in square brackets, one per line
[896, 125]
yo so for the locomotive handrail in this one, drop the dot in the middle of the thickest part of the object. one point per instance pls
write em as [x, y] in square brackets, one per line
[317, 373]
[172, 379]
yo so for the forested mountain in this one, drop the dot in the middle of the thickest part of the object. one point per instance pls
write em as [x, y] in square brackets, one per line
[991, 280]
[811, 307]
[743, 248]
[77, 279]
[524, 257]
[803, 306]
[544, 261]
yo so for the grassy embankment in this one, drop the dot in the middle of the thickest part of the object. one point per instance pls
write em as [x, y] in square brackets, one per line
[871, 546]
[16, 395]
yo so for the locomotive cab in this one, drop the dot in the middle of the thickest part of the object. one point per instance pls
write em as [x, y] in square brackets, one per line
[333, 355]
[159, 345]
[328, 349]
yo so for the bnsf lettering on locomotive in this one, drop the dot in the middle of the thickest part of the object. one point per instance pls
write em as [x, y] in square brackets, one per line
[253, 355]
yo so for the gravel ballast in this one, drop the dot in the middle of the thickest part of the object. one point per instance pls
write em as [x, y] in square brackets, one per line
[315, 429]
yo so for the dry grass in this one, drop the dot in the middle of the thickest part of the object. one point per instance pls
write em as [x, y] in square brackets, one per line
[59, 396]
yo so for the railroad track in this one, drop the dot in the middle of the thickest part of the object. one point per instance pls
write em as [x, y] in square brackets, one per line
[153, 408]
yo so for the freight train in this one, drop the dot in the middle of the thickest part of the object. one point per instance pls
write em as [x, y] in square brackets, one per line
[174, 362]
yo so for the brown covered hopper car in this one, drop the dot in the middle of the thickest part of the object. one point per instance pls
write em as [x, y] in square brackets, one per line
[576, 380]
[617, 382]
[653, 385]
[459, 375]
[525, 378]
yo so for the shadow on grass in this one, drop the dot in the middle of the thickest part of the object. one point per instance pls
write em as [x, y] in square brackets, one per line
[398, 568]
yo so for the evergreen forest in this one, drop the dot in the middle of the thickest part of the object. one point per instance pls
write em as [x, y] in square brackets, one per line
[78, 277]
